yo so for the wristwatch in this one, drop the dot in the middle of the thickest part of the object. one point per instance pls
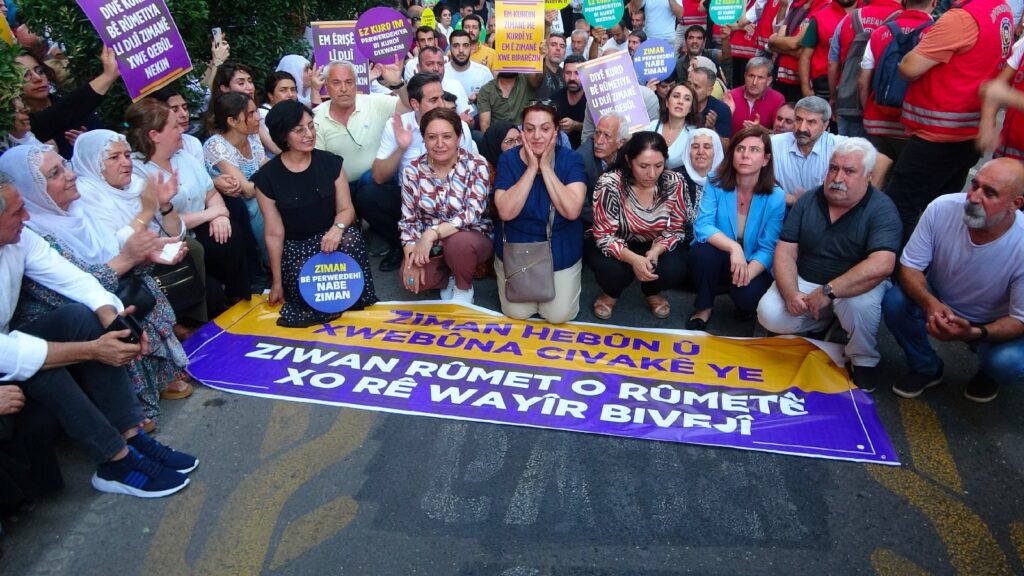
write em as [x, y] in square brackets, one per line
[340, 226]
[827, 291]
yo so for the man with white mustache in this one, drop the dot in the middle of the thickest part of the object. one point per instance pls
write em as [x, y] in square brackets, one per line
[835, 254]
[962, 279]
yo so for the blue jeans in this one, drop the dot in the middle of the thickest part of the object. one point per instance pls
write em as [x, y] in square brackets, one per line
[852, 127]
[1003, 362]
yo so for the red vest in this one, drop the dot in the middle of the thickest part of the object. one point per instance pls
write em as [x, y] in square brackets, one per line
[884, 120]
[871, 17]
[1012, 142]
[742, 44]
[828, 18]
[788, 69]
[766, 25]
[694, 14]
[945, 100]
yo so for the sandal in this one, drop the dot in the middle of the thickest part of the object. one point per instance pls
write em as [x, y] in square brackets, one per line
[178, 389]
[659, 306]
[149, 425]
[603, 306]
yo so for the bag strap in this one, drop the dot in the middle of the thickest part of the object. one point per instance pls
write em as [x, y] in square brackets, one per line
[551, 224]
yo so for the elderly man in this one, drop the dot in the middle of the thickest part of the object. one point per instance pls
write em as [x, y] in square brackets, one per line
[600, 152]
[834, 257]
[802, 157]
[67, 362]
[962, 279]
[755, 101]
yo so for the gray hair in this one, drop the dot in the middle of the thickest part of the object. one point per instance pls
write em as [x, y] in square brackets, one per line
[758, 62]
[335, 63]
[623, 122]
[5, 182]
[577, 32]
[815, 105]
[858, 146]
[708, 73]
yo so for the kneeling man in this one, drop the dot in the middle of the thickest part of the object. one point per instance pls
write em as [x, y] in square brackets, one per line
[834, 257]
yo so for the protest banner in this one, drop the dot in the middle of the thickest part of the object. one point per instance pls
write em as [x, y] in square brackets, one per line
[783, 395]
[337, 41]
[725, 12]
[383, 35]
[603, 13]
[654, 59]
[331, 282]
[150, 52]
[610, 84]
[519, 33]
[427, 18]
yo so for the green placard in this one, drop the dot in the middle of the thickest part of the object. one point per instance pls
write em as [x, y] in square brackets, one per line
[603, 13]
[725, 12]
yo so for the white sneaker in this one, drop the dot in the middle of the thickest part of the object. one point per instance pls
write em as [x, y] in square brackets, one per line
[463, 296]
[446, 293]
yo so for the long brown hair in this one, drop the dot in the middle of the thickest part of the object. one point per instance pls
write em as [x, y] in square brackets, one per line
[725, 176]
[142, 116]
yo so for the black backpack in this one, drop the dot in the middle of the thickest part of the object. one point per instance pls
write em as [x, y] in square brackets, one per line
[890, 89]
[847, 95]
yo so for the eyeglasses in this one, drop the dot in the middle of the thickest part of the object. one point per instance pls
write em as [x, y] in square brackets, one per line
[60, 171]
[512, 141]
[301, 130]
[545, 102]
[38, 70]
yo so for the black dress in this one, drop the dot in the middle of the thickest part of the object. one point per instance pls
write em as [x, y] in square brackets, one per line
[306, 202]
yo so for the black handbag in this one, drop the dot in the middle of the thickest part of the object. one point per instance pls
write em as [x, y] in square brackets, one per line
[180, 283]
[132, 291]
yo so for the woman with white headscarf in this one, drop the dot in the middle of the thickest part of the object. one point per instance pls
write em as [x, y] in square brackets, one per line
[702, 156]
[49, 189]
[307, 80]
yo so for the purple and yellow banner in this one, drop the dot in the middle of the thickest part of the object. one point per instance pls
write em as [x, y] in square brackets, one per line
[782, 395]
[337, 41]
[150, 51]
[518, 35]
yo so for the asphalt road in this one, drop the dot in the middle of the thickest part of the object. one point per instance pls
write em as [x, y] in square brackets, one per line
[291, 488]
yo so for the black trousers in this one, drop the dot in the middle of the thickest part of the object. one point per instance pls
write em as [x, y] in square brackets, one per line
[93, 402]
[709, 269]
[227, 264]
[926, 170]
[381, 206]
[613, 276]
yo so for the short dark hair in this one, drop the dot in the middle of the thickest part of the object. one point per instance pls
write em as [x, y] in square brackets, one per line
[270, 84]
[544, 106]
[228, 105]
[639, 34]
[442, 113]
[226, 71]
[696, 28]
[574, 59]
[430, 50]
[725, 176]
[476, 17]
[423, 30]
[283, 118]
[166, 93]
[637, 144]
[460, 33]
[420, 79]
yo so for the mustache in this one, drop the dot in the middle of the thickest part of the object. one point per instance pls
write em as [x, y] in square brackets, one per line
[837, 186]
[804, 134]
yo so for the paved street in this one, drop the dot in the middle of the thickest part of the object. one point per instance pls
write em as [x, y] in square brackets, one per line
[292, 488]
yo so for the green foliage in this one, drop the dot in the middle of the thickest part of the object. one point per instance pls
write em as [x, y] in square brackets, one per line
[344, 9]
[260, 33]
[11, 78]
[68, 25]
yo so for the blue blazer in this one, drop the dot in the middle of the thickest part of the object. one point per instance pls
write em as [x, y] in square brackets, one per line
[764, 221]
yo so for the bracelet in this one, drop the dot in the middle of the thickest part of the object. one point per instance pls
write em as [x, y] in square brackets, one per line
[168, 211]
[140, 221]
[984, 333]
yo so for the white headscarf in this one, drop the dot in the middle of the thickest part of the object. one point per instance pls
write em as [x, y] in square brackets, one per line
[73, 228]
[719, 154]
[296, 66]
[111, 207]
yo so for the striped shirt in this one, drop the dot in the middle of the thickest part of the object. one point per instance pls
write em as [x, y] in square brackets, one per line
[619, 218]
[460, 199]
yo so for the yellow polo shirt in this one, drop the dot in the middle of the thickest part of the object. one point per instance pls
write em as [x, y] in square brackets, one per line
[356, 143]
[485, 55]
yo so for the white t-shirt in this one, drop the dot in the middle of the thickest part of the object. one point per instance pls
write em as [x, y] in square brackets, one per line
[1016, 55]
[416, 149]
[979, 282]
[472, 78]
[193, 147]
[660, 21]
[611, 44]
[455, 87]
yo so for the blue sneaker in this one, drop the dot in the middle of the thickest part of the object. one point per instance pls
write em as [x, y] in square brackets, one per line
[139, 476]
[168, 457]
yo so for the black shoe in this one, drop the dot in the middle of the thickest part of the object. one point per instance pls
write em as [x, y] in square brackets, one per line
[697, 324]
[914, 383]
[392, 260]
[981, 388]
[741, 316]
[865, 377]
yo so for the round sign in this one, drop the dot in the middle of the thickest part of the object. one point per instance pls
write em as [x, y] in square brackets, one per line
[725, 12]
[603, 13]
[654, 59]
[555, 4]
[428, 18]
[383, 35]
[331, 282]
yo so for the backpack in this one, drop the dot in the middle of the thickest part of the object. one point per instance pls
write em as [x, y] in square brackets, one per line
[847, 94]
[890, 89]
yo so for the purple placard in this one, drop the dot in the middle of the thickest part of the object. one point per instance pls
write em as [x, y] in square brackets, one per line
[334, 41]
[610, 83]
[841, 426]
[150, 51]
[383, 35]
[654, 59]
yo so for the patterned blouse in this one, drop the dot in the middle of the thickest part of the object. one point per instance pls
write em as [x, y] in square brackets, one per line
[619, 218]
[217, 148]
[460, 200]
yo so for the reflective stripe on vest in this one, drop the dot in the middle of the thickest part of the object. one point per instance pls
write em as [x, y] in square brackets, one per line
[885, 128]
[939, 118]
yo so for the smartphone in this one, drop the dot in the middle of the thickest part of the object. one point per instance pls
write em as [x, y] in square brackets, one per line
[170, 251]
[217, 35]
[127, 323]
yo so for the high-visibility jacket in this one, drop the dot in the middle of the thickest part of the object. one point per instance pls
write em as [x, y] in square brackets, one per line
[1011, 143]
[885, 120]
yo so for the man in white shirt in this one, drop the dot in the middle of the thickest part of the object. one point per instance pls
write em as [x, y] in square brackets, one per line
[801, 157]
[400, 144]
[95, 403]
[659, 17]
[470, 74]
[431, 61]
[618, 39]
[425, 36]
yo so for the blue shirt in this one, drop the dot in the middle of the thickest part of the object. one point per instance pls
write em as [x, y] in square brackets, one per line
[532, 222]
[764, 221]
[723, 124]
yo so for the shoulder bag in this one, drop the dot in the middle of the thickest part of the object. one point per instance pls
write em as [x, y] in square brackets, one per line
[529, 268]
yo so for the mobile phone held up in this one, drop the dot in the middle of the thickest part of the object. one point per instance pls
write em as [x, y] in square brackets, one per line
[217, 36]
[127, 323]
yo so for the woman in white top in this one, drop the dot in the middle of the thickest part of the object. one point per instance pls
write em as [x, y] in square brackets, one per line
[278, 86]
[678, 117]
